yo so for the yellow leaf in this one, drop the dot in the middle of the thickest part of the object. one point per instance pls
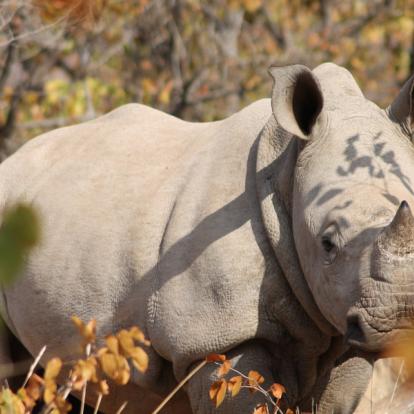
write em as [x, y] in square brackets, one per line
[252, 5]
[277, 390]
[235, 384]
[49, 392]
[139, 336]
[83, 371]
[149, 86]
[112, 344]
[52, 369]
[165, 94]
[87, 331]
[10, 403]
[140, 359]
[103, 387]
[115, 367]
[126, 342]
[101, 351]
[28, 402]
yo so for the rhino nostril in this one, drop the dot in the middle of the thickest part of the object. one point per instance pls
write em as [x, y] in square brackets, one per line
[354, 333]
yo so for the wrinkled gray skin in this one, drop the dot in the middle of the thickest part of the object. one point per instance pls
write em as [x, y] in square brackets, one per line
[270, 236]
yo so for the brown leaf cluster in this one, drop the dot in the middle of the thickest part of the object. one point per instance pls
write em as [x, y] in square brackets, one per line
[232, 386]
[119, 348]
[83, 12]
[110, 361]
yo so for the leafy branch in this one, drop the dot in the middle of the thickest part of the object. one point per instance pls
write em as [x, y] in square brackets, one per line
[252, 381]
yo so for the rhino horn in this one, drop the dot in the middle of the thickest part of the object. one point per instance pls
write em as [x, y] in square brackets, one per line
[398, 237]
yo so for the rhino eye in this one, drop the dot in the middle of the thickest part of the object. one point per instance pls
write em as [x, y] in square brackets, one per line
[327, 244]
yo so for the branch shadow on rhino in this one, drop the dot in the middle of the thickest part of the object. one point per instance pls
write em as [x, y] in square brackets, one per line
[355, 161]
[177, 258]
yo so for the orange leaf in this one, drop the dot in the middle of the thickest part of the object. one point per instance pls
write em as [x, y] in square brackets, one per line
[255, 378]
[62, 406]
[224, 368]
[214, 389]
[221, 392]
[277, 390]
[218, 391]
[215, 358]
[34, 386]
[235, 384]
[261, 409]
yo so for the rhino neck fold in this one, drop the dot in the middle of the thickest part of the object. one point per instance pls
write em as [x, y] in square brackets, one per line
[276, 159]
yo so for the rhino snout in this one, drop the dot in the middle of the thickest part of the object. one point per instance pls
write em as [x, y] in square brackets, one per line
[374, 333]
[385, 309]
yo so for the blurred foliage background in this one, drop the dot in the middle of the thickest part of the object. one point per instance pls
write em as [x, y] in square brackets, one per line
[67, 61]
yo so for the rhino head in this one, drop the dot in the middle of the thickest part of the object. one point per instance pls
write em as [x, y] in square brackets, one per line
[352, 200]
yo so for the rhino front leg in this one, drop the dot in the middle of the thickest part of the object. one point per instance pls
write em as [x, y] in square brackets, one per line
[246, 357]
[345, 386]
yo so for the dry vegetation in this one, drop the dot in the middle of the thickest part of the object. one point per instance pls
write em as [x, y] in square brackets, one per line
[111, 361]
[67, 61]
[114, 360]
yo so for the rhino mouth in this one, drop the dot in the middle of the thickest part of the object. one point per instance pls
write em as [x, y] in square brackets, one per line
[377, 334]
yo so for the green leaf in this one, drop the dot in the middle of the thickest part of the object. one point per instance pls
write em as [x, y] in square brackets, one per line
[19, 232]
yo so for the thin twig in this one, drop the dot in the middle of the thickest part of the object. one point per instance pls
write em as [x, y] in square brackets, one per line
[257, 387]
[34, 32]
[395, 386]
[82, 407]
[122, 407]
[33, 366]
[98, 403]
[174, 391]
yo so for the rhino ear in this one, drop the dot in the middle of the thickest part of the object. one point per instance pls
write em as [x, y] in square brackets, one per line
[401, 110]
[297, 99]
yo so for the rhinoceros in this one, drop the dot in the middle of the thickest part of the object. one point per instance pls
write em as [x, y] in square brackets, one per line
[281, 236]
